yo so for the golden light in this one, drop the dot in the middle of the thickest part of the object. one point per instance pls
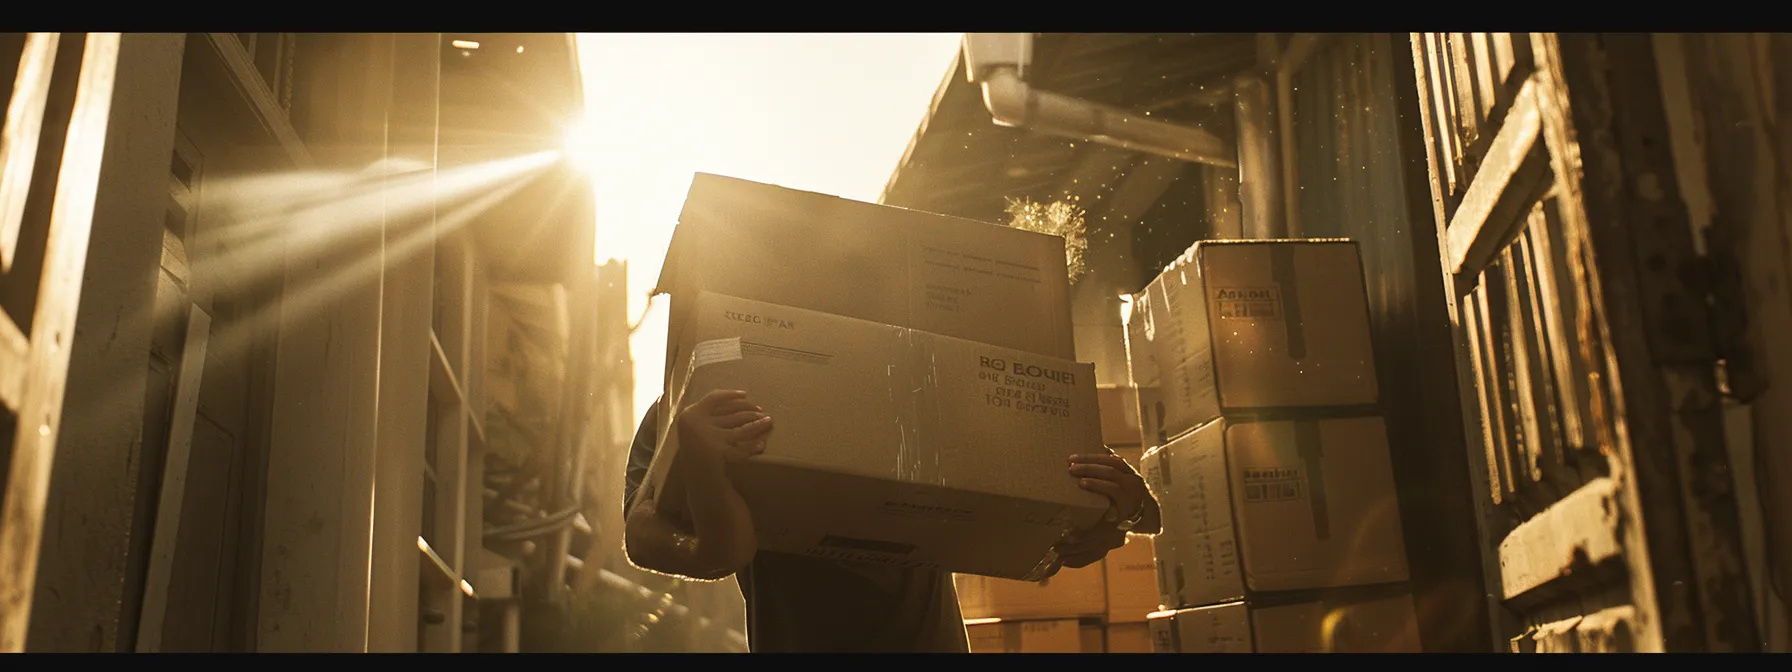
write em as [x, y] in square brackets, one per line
[579, 145]
[465, 44]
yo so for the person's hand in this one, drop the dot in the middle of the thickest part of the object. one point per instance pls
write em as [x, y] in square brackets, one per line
[1086, 547]
[1108, 475]
[724, 424]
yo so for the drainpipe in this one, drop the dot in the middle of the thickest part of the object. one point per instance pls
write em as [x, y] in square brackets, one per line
[998, 62]
[1259, 180]
[1300, 48]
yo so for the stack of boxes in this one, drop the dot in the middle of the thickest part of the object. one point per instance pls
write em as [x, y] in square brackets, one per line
[1257, 393]
[1101, 608]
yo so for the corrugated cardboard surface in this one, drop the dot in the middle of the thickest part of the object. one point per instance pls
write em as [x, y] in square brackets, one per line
[1068, 594]
[1315, 503]
[1385, 625]
[1047, 636]
[943, 275]
[895, 446]
[1142, 365]
[1248, 325]
[1197, 552]
[1131, 581]
[1119, 415]
[1275, 506]
[1224, 628]
[1129, 638]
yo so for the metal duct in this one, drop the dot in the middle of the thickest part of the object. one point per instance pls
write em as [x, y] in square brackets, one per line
[998, 61]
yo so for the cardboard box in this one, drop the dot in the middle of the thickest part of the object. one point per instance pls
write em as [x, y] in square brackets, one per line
[1070, 593]
[1258, 325]
[1385, 624]
[1052, 636]
[1119, 415]
[938, 274]
[1129, 638]
[1131, 581]
[895, 446]
[1275, 506]
[1143, 369]
[1224, 628]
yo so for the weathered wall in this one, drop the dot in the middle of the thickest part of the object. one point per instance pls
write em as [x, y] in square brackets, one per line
[87, 529]
[314, 576]
[1728, 100]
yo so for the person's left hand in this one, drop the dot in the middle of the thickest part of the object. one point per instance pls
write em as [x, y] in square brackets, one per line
[1108, 475]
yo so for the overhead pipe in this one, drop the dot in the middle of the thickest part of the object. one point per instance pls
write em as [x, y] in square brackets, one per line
[1300, 48]
[998, 62]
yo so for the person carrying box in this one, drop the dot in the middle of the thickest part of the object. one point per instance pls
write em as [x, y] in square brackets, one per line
[802, 604]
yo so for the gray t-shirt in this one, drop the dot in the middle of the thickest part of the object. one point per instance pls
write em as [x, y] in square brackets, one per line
[798, 604]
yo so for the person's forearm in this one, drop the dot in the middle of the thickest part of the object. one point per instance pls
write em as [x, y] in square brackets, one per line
[720, 519]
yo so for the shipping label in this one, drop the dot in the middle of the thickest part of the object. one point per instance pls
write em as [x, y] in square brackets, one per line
[1248, 303]
[1274, 484]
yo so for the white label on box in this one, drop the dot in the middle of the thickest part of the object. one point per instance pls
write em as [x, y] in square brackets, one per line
[1249, 303]
[712, 352]
[1273, 485]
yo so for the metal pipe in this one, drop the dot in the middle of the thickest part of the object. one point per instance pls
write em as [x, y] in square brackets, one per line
[1013, 103]
[1259, 183]
[998, 62]
[513, 627]
[1300, 48]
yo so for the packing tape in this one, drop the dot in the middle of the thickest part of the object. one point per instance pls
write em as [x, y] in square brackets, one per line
[1311, 449]
[917, 458]
[714, 352]
[1282, 268]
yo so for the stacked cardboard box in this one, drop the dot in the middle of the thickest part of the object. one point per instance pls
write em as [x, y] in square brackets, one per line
[918, 368]
[1257, 390]
[1064, 635]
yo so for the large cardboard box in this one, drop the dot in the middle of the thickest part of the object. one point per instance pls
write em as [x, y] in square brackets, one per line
[1071, 593]
[1258, 325]
[1384, 624]
[1275, 506]
[938, 274]
[892, 445]
[1142, 366]
[1129, 638]
[1051, 636]
[1132, 581]
[1119, 415]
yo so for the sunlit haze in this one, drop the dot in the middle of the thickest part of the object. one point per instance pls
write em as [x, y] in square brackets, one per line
[829, 113]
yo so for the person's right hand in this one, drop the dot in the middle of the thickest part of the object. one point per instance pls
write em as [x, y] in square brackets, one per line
[724, 424]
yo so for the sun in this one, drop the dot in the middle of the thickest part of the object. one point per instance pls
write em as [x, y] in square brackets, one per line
[579, 145]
